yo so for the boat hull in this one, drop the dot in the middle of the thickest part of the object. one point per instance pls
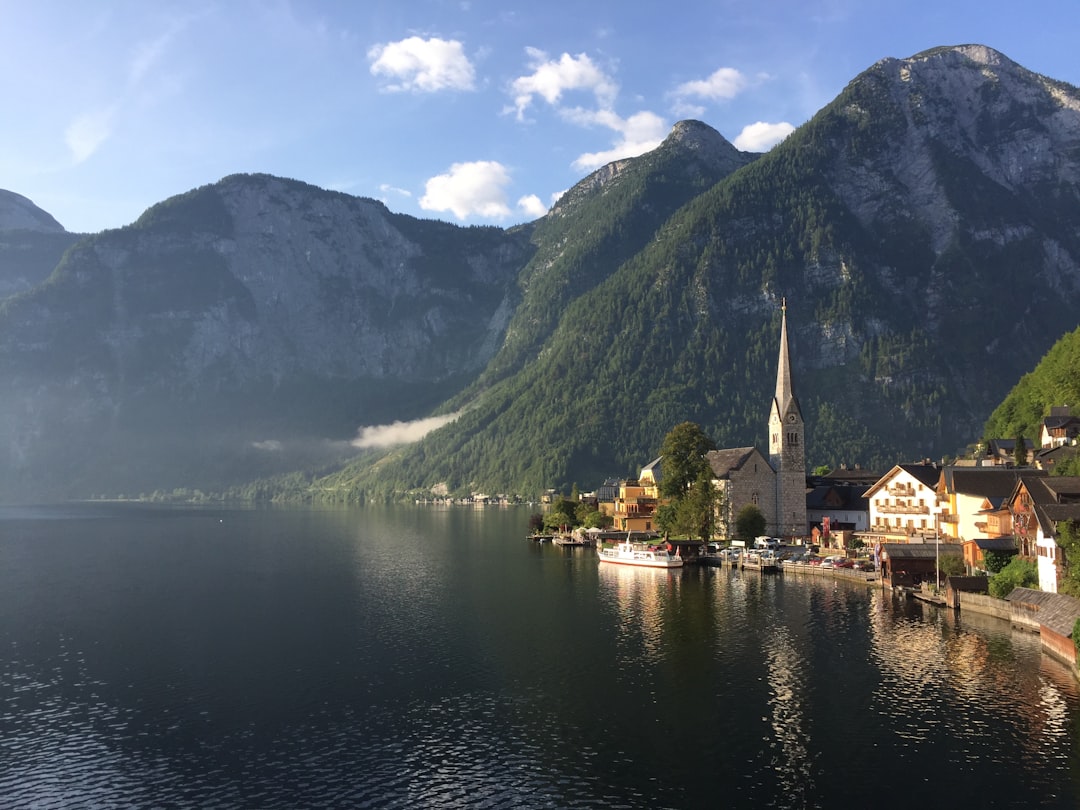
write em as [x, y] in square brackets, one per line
[628, 554]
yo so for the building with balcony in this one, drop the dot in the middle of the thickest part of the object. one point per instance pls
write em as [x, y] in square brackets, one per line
[903, 505]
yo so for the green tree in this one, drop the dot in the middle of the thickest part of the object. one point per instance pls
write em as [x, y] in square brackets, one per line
[1019, 573]
[750, 522]
[994, 561]
[683, 453]
[1068, 538]
[695, 513]
[563, 515]
[1020, 451]
[951, 566]
[667, 519]
[1068, 466]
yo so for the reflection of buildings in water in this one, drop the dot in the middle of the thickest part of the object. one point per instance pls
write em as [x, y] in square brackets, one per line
[640, 596]
[792, 762]
[928, 652]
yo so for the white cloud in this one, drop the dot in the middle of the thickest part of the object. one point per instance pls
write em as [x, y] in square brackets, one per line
[400, 432]
[724, 83]
[531, 206]
[761, 136]
[469, 188]
[422, 65]
[85, 135]
[550, 79]
[638, 134]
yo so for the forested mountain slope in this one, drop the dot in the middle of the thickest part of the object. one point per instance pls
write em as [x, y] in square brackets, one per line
[920, 228]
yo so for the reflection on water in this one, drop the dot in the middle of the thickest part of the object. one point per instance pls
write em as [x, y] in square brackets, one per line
[641, 596]
[791, 761]
[398, 658]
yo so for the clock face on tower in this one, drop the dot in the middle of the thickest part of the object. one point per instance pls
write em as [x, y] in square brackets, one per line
[791, 417]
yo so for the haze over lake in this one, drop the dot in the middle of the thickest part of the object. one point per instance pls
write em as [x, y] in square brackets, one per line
[432, 657]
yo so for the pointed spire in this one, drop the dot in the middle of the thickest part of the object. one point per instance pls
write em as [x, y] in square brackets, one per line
[784, 391]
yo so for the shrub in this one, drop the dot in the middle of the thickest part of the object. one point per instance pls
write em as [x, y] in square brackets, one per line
[1019, 573]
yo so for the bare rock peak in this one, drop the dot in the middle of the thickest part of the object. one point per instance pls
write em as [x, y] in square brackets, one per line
[19, 213]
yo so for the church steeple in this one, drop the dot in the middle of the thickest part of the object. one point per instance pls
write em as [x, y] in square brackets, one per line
[785, 392]
[787, 453]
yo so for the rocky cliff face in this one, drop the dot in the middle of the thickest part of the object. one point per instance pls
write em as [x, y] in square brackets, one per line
[31, 243]
[252, 302]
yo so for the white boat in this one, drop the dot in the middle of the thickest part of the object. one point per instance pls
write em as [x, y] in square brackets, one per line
[641, 554]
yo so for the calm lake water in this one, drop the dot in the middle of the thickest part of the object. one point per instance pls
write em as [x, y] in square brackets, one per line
[423, 657]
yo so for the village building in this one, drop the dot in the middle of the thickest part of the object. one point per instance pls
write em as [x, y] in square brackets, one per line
[968, 495]
[1060, 427]
[837, 508]
[636, 501]
[1037, 504]
[904, 505]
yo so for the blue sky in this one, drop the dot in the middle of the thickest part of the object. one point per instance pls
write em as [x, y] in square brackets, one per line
[470, 111]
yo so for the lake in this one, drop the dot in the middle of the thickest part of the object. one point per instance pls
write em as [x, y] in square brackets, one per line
[402, 657]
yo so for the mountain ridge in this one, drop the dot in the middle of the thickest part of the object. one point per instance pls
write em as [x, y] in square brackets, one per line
[896, 222]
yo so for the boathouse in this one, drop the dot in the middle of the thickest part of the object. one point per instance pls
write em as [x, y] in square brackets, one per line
[1052, 615]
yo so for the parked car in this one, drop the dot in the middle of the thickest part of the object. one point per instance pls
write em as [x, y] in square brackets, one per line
[844, 564]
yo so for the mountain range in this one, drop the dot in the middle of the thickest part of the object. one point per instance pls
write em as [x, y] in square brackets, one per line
[921, 227]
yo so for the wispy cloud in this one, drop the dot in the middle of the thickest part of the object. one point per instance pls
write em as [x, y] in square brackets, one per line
[85, 135]
[477, 188]
[400, 432]
[422, 65]
[723, 84]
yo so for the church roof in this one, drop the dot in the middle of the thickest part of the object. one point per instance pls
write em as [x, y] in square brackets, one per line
[731, 459]
[785, 398]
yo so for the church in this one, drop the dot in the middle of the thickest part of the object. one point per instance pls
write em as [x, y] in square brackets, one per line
[775, 484]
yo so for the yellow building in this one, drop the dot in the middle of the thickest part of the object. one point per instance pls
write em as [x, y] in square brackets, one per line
[635, 505]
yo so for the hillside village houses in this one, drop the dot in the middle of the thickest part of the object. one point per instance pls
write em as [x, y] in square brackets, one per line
[972, 506]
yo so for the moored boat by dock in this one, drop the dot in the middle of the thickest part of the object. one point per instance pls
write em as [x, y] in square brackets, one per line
[645, 555]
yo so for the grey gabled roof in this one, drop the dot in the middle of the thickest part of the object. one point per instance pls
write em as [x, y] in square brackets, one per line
[986, 482]
[927, 474]
[1055, 610]
[919, 551]
[724, 462]
[655, 467]
[996, 543]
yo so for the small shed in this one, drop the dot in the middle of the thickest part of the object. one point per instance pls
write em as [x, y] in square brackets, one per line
[911, 564]
[954, 586]
[1051, 615]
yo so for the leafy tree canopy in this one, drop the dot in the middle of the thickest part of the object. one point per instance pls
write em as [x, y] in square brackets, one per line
[994, 561]
[684, 462]
[750, 522]
[1019, 573]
